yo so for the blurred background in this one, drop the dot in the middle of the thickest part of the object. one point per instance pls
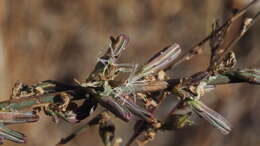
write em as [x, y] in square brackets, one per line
[61, 40]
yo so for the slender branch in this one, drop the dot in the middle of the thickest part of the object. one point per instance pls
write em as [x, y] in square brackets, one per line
[196, 49]
[17, 104]
[251, 76]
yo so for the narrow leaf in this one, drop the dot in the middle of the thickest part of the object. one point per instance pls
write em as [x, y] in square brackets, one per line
[11, 135]
[215, 119]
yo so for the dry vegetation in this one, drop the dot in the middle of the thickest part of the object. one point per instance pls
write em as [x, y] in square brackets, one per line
[60, 40]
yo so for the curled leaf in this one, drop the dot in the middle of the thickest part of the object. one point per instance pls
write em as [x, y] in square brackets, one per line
[118, 45]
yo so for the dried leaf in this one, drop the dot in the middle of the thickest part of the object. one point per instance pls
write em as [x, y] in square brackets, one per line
[161, 60]
[116, 108]
[17, 117]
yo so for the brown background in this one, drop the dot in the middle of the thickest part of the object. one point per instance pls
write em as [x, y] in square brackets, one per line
[61, 40]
